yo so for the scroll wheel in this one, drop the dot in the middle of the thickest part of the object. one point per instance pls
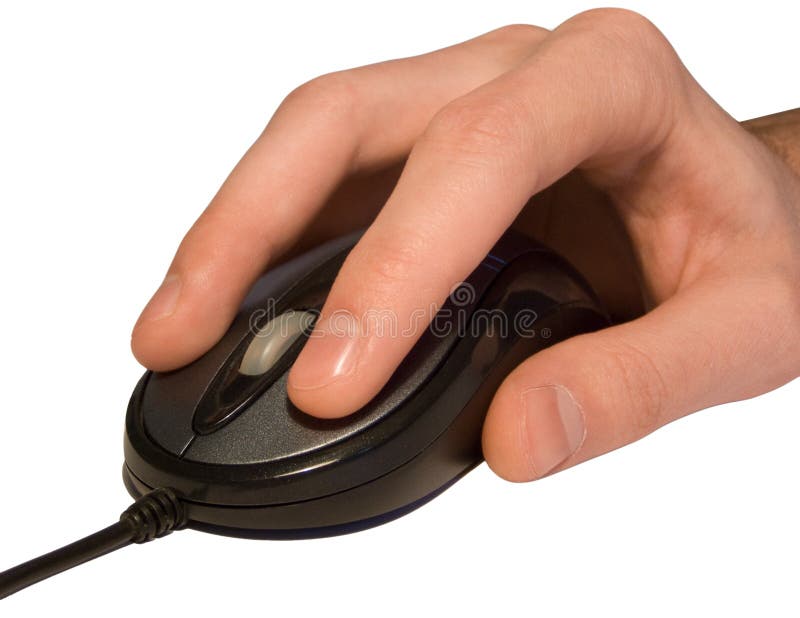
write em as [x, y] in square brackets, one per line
[273, 339]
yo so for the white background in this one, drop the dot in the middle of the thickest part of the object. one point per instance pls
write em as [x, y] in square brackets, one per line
[117, 124]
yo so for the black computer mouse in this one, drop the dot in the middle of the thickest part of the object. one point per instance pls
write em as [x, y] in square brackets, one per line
[223, 434]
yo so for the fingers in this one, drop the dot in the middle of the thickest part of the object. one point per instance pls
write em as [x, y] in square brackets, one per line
[598, 91]
[597, 392]
[331, 127]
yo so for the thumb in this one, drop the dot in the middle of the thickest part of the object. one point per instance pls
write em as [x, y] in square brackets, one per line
[594, 393]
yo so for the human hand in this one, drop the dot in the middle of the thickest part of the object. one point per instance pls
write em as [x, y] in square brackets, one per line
[686, 224]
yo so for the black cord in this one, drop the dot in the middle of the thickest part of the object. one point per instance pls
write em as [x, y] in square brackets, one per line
[154, 515]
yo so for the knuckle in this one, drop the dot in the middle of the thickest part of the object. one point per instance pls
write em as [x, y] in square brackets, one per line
[508, 46]
[624, 24]
[641, 388]
[385, 263]
[476, 126]
[629, 40]
[649, 79]
[523, 33]
[333, 96]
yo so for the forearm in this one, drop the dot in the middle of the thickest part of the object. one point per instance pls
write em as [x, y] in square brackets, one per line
[781, 132]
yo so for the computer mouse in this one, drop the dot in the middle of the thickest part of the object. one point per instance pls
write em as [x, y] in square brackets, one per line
[222, 433]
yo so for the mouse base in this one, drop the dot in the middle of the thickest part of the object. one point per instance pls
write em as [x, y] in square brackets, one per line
[136, 489]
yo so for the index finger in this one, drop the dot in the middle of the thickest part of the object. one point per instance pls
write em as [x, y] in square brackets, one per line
[332, 127]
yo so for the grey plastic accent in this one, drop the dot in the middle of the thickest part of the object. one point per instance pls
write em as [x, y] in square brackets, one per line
[272, 340]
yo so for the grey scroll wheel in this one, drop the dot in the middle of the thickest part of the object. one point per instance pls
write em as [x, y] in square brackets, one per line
[273, 339]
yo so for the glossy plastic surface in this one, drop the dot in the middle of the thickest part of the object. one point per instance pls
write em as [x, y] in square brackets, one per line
[270, 467]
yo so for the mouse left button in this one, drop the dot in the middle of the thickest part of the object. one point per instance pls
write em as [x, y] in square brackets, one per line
[169, 400]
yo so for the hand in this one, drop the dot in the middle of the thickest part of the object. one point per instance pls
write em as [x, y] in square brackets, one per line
[686, 224]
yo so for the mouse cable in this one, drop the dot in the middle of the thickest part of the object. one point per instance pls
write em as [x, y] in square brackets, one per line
[155, 514]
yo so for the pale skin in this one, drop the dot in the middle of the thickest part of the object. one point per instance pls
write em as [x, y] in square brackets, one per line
[686, 223]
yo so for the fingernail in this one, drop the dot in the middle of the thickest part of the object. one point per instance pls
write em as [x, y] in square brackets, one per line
[330, 353]
[164, 301]
[553, 427]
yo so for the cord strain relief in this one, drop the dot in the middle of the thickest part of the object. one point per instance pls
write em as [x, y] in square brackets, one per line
[155, 514]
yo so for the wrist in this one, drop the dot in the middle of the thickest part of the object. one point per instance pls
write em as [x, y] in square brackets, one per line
[781, 133]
